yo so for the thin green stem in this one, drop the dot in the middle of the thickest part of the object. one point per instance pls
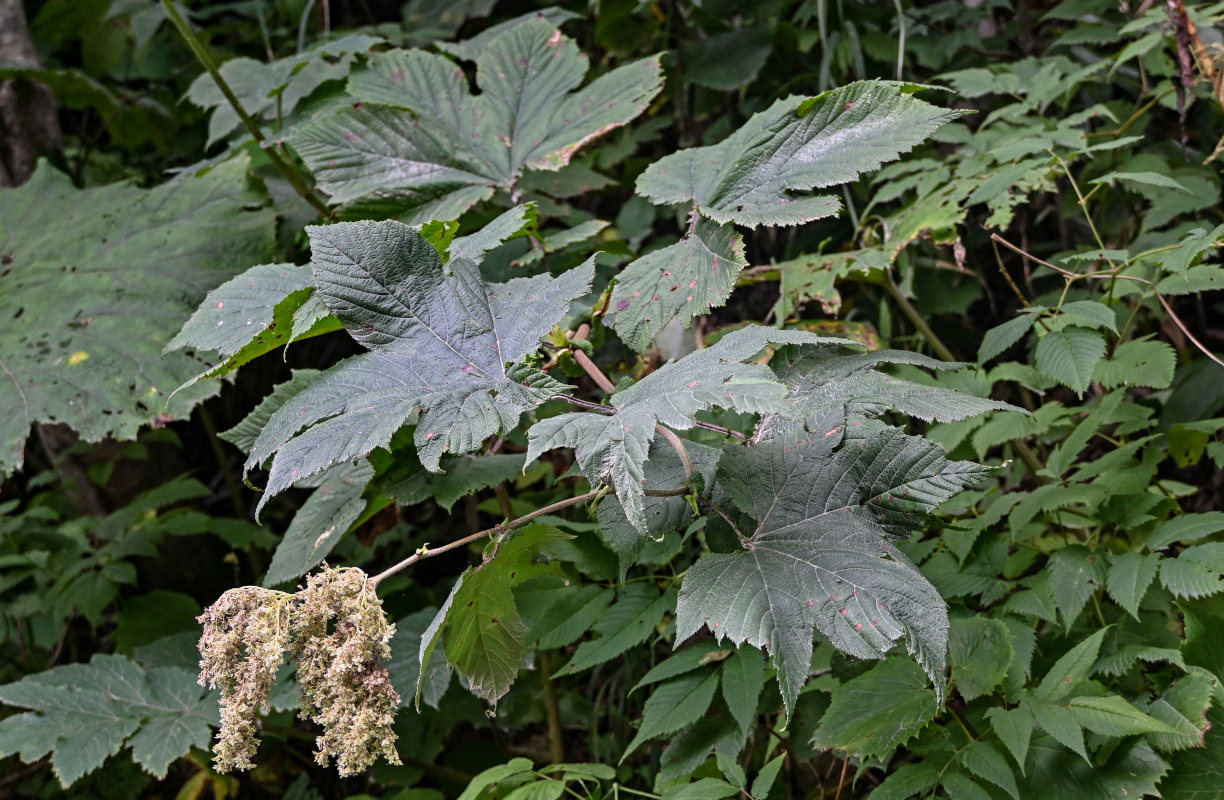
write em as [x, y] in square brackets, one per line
[284, 167]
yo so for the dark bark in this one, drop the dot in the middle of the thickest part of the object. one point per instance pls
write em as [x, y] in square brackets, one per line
[29, 124]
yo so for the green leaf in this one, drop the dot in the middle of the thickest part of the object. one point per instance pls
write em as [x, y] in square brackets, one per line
[1076, 574]
[571, 613]
[1184, 707]
[765, 779]
[820, 556]
[484, 633]
[876, 712]
[611, 449]
[272, 89]
[439, 342]
[1062, 724]
[321, 522]
[1069, 356]
[1205, 278]
[495, 775]
[405, 663]
[726, 61]
[1112, 716]
[985, 761]
[1128, 579]
[678, 282]
[519, 221]
[629, 622]
[421, 141]
[980, 652]
[906, 781]
[1074, 666]
[1130, 770]
[1089, 314]
[1144, 178]
[1014, 727]
[700, 789]
[85, 310]
[244, 434]
[1186, 528]
[1001, 337]
[83, 713]
[674, 705]
[961, 787]
[796, 144]
[743, 678]
[458, 476]
[1198, 773]
[698, 654]
[1138, 363]
[1198, 240]
[1198, 571]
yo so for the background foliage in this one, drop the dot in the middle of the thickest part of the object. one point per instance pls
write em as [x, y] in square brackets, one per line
[1055, 226]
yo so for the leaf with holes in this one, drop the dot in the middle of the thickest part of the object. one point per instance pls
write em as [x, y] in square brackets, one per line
[440, 340]
[85, 311]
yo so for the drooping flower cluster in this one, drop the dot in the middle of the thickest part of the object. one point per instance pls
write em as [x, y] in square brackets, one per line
[336, 630]
[345, 687]
[245, 636]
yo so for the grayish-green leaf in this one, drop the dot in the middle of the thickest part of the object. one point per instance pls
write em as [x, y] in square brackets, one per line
[629, 622]
[743, 678]
[1128, 579]
[244, 434]
[321, 522]
[795, 145]
[1138, 363]
[980, 652]
[85, 311]
[83, 713]
[675, 704]
[440, 341]
[1197, 571]
[1001, 337]
[681, 281]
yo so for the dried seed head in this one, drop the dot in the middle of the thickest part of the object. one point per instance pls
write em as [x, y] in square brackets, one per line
[245, 636]
[340, 640]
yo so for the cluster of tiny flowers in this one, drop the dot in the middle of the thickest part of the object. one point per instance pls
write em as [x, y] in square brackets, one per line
[336, 630]
[345, 687]
[245, 635]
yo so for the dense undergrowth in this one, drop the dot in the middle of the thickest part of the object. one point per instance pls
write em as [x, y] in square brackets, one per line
[787, 399]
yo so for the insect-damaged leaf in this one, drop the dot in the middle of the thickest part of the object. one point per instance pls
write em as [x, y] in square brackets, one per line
[85, 310]
[796, 144]
[821, 555]
[440, 340]
[421, 141]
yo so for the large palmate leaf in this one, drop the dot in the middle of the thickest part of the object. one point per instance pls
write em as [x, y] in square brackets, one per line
[797, 144]
[821, 555]
[440, 341]
[83, 713]
[612, 448]
[93, 283]
[421, 144]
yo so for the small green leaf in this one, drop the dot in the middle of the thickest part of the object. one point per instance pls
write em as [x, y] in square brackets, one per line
[1076, 574]
[985, 761]
[675, 704]
[1198, 571]
[701, 789]
[1014, 727]
[1143, 178]
[571, 612]
[1128, 580]
[1112, 716]
[1204, 278]
[630, 621]
[1090, 314]
[980, 653]
[874, 713]
[1186, 528]
[1073, 667]
[1069, 356]
[1061, 723]
[494, 775]
[765, 779]
[1184, 706]
[1001, 337]
[1138, 363]
[743, 678]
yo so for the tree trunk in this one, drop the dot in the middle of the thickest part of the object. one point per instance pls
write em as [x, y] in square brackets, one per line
[29, 124]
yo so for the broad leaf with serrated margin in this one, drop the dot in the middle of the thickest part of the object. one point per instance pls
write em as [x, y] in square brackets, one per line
[795, 145]
[877, 711]
[1069, 356]
[821, 556]
[83, 713]
[85, 311]
[420, 142]
[440, 340]
[611, 449]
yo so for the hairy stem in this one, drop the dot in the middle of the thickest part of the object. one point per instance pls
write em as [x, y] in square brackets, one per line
[284, 167]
